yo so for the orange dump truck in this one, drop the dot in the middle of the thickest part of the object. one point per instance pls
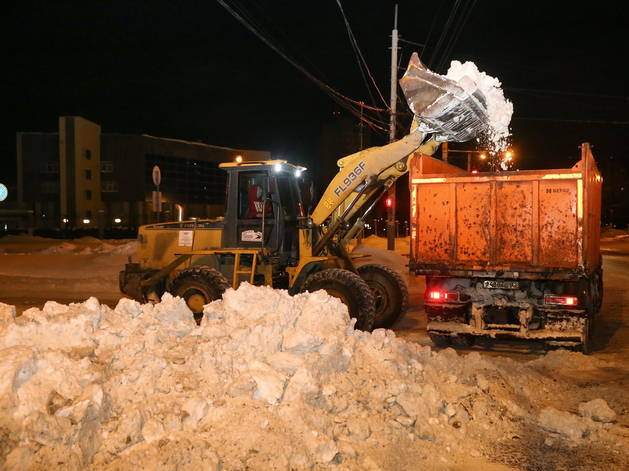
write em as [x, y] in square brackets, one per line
[508, 254]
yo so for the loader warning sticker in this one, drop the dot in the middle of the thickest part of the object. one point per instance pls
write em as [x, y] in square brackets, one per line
[186, 238]
[251, 236]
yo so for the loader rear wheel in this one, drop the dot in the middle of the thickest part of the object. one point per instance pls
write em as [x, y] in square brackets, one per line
[350, 289]
[390, 293]
[198, 286]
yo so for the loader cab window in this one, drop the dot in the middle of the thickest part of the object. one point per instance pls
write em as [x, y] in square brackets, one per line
[252, 192]
[289, 196]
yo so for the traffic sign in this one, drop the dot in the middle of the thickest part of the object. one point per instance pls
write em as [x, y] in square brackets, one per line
[3, 192]
[157, 175]
[157, 201]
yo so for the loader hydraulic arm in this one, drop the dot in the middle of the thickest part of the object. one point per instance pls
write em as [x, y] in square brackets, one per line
[444, 109]
[374, 164]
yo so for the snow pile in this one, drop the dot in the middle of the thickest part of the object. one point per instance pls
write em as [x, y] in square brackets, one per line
[24, 244]
[65, 248]
[499, 109]
[267, 381]
[130, 248]
[53, 327]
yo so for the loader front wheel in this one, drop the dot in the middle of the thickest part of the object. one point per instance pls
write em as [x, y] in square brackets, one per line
[350, 289]
[198, 286]
[390, 293]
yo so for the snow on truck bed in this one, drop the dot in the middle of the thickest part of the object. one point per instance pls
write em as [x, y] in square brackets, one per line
[270, 381]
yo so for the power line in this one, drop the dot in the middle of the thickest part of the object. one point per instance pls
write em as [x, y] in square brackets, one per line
[432, 27]
[353, 106]
[454, 39]
[444, 31]
[454, 24]
[359, 56]
[289, 40]
[411, 42]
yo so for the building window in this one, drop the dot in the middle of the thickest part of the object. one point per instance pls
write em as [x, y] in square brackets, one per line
[88, 154]
[193, 181]
[88, 174]
[106, 167]
[50, 187]
[88, 194]
[108, 187]
[50, 167]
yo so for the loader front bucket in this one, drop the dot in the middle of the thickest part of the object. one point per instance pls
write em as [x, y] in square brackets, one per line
[451, 111]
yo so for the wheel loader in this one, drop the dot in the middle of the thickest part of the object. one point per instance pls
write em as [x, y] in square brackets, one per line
[265, 238]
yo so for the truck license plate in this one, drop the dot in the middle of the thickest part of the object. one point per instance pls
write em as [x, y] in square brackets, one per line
[499, 284]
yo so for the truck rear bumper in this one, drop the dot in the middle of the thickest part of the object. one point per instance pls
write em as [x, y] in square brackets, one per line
[547, 333]
[549, 325]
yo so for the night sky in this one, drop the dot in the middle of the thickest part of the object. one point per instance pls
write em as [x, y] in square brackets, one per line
[190, 70]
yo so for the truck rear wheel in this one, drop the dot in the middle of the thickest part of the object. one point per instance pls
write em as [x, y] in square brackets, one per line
[350, 289]
[586, 344]
[390, 294]
[597, 290]
[198, 286]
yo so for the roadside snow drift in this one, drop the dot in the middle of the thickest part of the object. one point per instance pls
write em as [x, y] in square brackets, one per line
[267, 381]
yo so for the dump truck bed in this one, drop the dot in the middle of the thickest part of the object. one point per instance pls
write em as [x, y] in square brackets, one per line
[542, 224]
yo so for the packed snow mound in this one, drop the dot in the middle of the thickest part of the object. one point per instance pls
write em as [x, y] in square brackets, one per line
[65, 248]
[130, 248]
[24, 244]
[266, 381]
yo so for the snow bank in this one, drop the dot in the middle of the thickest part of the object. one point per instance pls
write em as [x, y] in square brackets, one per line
[130, 248]
[24, 244]
[267, 381]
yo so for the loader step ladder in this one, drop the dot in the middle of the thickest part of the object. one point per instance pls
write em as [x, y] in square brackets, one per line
[246, 270]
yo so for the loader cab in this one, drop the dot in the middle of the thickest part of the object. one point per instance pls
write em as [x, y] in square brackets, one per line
[263, 204]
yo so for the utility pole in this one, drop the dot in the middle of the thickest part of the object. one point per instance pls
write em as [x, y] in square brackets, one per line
[362, 108]
[391, 210]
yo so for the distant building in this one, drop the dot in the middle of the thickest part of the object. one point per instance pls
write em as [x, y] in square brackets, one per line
[343, 136]
[78, 175]
[340, 137]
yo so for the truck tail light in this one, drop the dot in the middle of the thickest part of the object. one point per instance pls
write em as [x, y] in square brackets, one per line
[562, 300]
[443, 296]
